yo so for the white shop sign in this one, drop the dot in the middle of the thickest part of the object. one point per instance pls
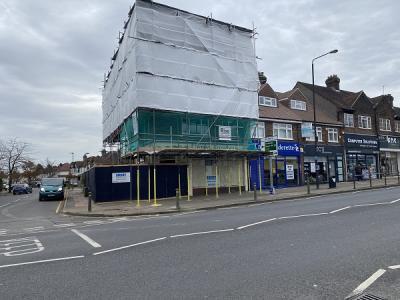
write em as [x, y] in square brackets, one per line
[289, 172]
[121, 177]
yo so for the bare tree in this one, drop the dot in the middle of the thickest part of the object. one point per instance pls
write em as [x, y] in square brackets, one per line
[50, 168]
[13, 155]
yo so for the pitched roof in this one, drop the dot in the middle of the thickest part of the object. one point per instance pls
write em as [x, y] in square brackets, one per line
[341, 98]
[267, 91]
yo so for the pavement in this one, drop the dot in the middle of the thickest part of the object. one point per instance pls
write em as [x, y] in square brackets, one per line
[77, 204]
[322, 247]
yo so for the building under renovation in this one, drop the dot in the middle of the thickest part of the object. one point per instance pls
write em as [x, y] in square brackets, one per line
[181, 93]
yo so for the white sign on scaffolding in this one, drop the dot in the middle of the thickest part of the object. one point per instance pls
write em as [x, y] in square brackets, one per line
[121, 177]
[225, 133]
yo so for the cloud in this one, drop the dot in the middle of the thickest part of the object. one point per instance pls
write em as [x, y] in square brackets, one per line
[53, 55]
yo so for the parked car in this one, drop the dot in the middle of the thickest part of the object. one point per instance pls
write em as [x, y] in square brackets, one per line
[51, 188]
[21, 189]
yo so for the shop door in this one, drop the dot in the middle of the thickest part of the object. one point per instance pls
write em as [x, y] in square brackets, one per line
[332, 169]
[280, 172]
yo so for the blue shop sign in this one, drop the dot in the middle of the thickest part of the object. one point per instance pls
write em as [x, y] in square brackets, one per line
[288, 149]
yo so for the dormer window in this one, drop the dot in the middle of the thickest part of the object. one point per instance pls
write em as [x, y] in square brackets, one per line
[267, 101]
[297, 104]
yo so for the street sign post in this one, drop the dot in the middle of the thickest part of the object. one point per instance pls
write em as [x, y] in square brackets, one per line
[271, 147]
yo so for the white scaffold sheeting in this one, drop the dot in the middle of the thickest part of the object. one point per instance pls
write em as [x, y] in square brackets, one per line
[174, 60]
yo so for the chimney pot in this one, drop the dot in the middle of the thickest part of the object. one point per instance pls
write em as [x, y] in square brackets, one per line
[333, 82]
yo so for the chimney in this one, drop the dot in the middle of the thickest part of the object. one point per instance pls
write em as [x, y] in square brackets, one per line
[262, 77]
[333, 82]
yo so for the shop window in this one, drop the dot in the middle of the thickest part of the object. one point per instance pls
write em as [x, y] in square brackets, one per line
[333, 136]
[384, 124]
[283, 131]
[364, 122]
[348, 120]
[297, 104]
[258, 130]
[267, 101]
[319, 136]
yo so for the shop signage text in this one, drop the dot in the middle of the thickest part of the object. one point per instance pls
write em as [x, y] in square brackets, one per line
[360, 141]
[391, 142]
[288, 149]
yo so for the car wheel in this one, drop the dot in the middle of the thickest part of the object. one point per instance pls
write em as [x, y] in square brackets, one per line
[40, 199]
[14, 193]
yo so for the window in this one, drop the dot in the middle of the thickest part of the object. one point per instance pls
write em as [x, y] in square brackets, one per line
[397, 126]
[348, 120]
[333, 136]
[258, 130]
[297, 104]
[384, 124]
[283, 131]
[364, 122]
[319, 136]
[267, 101]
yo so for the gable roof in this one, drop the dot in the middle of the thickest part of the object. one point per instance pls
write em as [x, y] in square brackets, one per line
[341, 98]
[267, 91]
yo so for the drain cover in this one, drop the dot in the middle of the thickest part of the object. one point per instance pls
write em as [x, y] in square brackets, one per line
[369, 297]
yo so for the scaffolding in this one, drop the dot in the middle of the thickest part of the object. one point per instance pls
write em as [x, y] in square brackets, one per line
[152, 131]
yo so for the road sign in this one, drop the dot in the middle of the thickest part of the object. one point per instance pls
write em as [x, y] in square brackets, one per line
[271, 146]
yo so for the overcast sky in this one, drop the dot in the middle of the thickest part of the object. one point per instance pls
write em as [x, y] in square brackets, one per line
[53, 55]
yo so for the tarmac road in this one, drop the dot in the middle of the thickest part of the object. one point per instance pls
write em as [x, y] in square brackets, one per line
[327, 247]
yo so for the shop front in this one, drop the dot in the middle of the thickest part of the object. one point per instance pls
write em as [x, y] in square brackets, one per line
[389, 147]
[362, 153]
[329, 162]
[285, 167]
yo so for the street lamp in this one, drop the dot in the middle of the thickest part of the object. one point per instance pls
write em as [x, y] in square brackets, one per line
[314, 123]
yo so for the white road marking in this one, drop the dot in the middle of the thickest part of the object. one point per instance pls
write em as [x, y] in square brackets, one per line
[299, 216]
[312, 197]
[394, 267]
[254, 224]
[41, 261]
[340, 209]
[59, 207]
[394, 201]
[64, 225]
[130, 246]
[371, 204]
[95, 222]
[202, 232]
[86, 238]
[356, 192]
[363, 286]
[4, 205]
[34, 228]
[22, 246]
[226, 208]
[258, 204]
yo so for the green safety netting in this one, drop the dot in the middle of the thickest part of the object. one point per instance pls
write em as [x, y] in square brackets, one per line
[182, 130]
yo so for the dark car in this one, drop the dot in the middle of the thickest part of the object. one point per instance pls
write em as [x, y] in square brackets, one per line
[51, 188]
[19, 189]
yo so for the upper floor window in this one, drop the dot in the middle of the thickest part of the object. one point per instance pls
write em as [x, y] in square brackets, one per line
[267, 101]
[348, 120]
[384, 124]
[297, 104]
[333, 135]
[397, 126]
[364, 122]
[283, 131]
[258, 131]
[319, 136]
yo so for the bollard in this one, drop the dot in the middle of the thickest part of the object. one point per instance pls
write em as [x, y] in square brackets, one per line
[255, 192]
[89, 206]
[308, 185]
[370, 179]
[354, 182]
[398, 177]
[178, 206]
[385, 179]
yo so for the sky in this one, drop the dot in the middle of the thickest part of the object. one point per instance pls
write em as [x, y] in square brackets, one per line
[53, 55]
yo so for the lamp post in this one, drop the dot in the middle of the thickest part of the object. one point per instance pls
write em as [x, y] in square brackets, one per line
[314, 122]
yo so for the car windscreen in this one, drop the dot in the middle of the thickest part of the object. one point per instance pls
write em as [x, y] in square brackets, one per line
[52, 181]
